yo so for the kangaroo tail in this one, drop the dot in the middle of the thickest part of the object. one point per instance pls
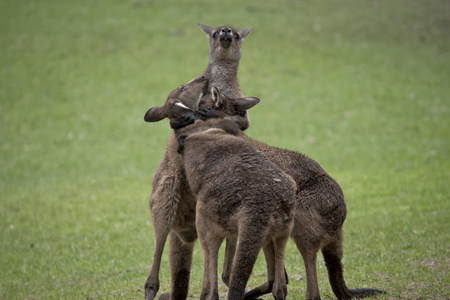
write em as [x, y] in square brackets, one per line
[332, 255]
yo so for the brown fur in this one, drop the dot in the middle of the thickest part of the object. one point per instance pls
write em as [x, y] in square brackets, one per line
[221, 170]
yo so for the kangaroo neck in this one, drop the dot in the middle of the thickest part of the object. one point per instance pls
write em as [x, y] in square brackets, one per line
[223, 74]
[226, 68]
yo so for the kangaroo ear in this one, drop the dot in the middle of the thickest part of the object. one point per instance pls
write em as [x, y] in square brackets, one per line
[216, 97]
[154, 114]
[244, 32]
[245, 103]
[206, 29]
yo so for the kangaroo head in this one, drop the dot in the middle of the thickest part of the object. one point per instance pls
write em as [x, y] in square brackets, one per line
[219, 102]
[224, 42]
[181, 101]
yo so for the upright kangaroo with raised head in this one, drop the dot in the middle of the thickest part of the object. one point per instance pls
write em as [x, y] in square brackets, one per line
[171, 198]
[224, 55]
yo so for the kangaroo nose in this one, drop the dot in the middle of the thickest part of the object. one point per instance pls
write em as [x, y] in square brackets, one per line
[226, 37]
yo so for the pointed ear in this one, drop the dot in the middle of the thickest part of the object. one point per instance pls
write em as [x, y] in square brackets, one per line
[244, 32]
[245, 103]
[216, 96]
[154, 114]
[206, 29]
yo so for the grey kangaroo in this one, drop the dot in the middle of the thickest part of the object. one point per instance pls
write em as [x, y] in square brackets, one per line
[221, 169]
[319, 215]
[224, 54]
[169, 187]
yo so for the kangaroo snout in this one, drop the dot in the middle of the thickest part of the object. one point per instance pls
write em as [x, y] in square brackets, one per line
[226, 37]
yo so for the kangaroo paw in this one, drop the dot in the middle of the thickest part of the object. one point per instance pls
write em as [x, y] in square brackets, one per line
[181, 139]
[181, 122]
[207, 113]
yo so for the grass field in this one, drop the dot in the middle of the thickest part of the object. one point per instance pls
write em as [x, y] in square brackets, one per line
[360, 86]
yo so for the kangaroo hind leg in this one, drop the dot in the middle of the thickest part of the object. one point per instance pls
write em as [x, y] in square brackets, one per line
[309, 254]
[279, 290]
[210, 243]
[269, 255]
[249, 245]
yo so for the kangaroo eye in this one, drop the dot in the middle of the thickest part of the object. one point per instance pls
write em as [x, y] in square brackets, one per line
[236, 36]
[183, 88]
[215, 34]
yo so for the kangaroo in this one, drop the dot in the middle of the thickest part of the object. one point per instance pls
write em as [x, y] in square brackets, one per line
[319, 214]
[221, 169]
[224, 55]
[172, 204]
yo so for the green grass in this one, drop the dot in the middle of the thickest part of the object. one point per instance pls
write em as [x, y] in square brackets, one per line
[360, 86]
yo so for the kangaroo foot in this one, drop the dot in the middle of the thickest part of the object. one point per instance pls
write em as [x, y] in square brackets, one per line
[150, 290]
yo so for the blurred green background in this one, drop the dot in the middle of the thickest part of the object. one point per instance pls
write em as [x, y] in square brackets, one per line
[360, 86]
